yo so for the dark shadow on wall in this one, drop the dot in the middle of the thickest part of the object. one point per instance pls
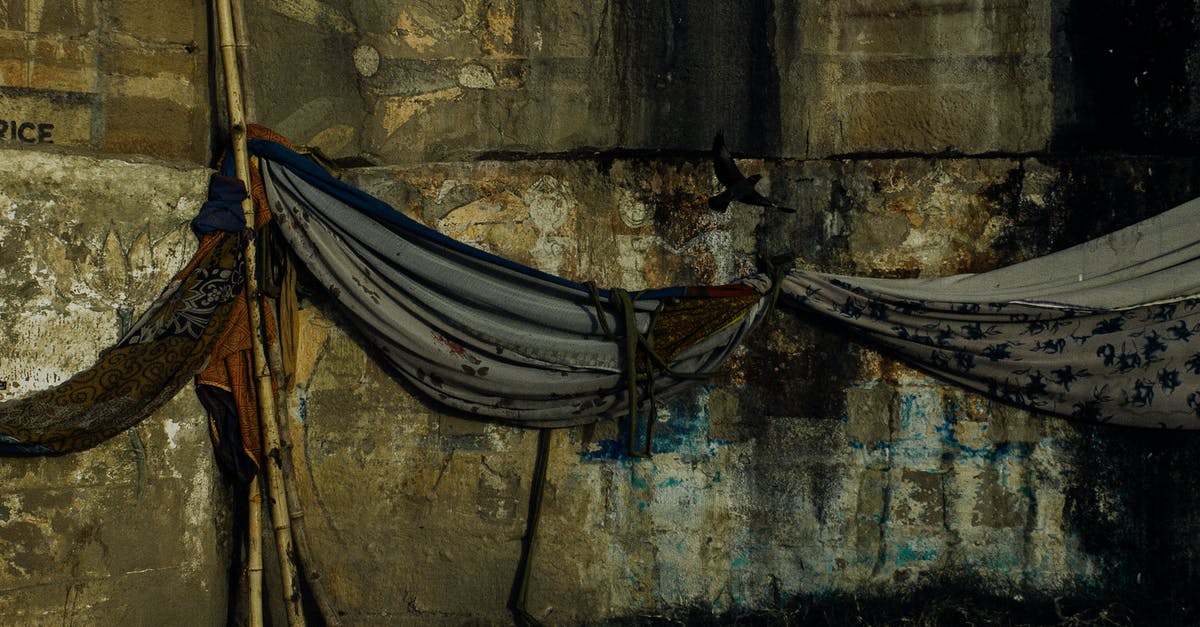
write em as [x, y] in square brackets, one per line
[687, 68]
[301, 78]
[1125, 76]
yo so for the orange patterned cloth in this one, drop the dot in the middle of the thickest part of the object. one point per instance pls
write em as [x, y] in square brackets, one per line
[227, 386]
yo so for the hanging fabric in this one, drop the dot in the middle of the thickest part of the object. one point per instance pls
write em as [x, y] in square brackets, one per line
[157, 356]
[1101, 331]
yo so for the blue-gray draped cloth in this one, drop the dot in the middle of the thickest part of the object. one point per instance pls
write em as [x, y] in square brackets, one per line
[1101, 331]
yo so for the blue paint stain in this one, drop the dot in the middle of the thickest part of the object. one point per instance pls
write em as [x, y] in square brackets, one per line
[990, 452]
[906, 555]
[910, 409]
[669, 482]
[301, 405]
[683, 432]
[606, 450]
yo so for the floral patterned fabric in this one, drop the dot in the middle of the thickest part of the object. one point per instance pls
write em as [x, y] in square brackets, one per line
[1134, 366]
[1108, 330]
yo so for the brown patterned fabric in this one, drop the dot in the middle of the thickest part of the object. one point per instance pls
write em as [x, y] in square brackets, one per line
[682, 323]
[146, 368]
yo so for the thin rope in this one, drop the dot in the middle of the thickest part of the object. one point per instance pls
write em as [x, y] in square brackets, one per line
[518, 598]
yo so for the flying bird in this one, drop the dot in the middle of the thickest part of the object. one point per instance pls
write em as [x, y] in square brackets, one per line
[738, 187]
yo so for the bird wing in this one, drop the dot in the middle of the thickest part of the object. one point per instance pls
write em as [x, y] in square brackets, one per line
[752, 197]
[727, 171]
[721, 201]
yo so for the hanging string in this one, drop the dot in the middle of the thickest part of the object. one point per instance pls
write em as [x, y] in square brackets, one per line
[622, 302]
[519, 596]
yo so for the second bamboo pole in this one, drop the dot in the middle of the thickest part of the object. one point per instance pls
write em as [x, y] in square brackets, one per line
[264, 388]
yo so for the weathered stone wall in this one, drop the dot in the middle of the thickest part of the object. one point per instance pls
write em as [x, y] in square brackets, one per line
[126, 76]
[132, 531]
[452, 79]
[817, 466]
[914, 138]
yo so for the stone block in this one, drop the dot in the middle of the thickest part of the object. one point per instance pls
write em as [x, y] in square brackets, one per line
[160, 21]
[724, 415]
[451, 426]
[153, 61]
[871, 413]
[869, 512]
[874, 233]
[62, 64]
[926, 106]
[14, 62]
[1009, 424]
[66, 18]
[447, 29]
[554, 29]
[1001, 27]
[13, 14]
[63, 118]
[919, 499]
[997, 503]
[153, 126]
[944, 118]
[861, 79]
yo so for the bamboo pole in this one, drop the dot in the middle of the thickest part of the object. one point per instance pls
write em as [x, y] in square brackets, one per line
[313, 575]
[254, 566]
[242, 42]
[264, 388]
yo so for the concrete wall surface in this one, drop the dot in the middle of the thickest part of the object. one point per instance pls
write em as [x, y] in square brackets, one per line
[134, 530]
[817, 480]
[447, 79]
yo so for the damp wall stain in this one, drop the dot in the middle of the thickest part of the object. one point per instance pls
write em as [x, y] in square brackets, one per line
[816, 469]
[816, 466]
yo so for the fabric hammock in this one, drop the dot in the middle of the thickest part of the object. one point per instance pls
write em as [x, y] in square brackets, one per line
[488, 336]
[1100, 331]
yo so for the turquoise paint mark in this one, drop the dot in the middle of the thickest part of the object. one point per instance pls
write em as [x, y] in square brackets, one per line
[669, 482]
[301, 405]
[684, 433]
[907, 554]
[912, 408]
[991, 452]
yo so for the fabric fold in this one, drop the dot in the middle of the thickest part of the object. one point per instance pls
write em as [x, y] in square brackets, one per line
[1101, 331]
[482, 334]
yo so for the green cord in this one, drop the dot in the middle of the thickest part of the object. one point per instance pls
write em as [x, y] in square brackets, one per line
[520, 591]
